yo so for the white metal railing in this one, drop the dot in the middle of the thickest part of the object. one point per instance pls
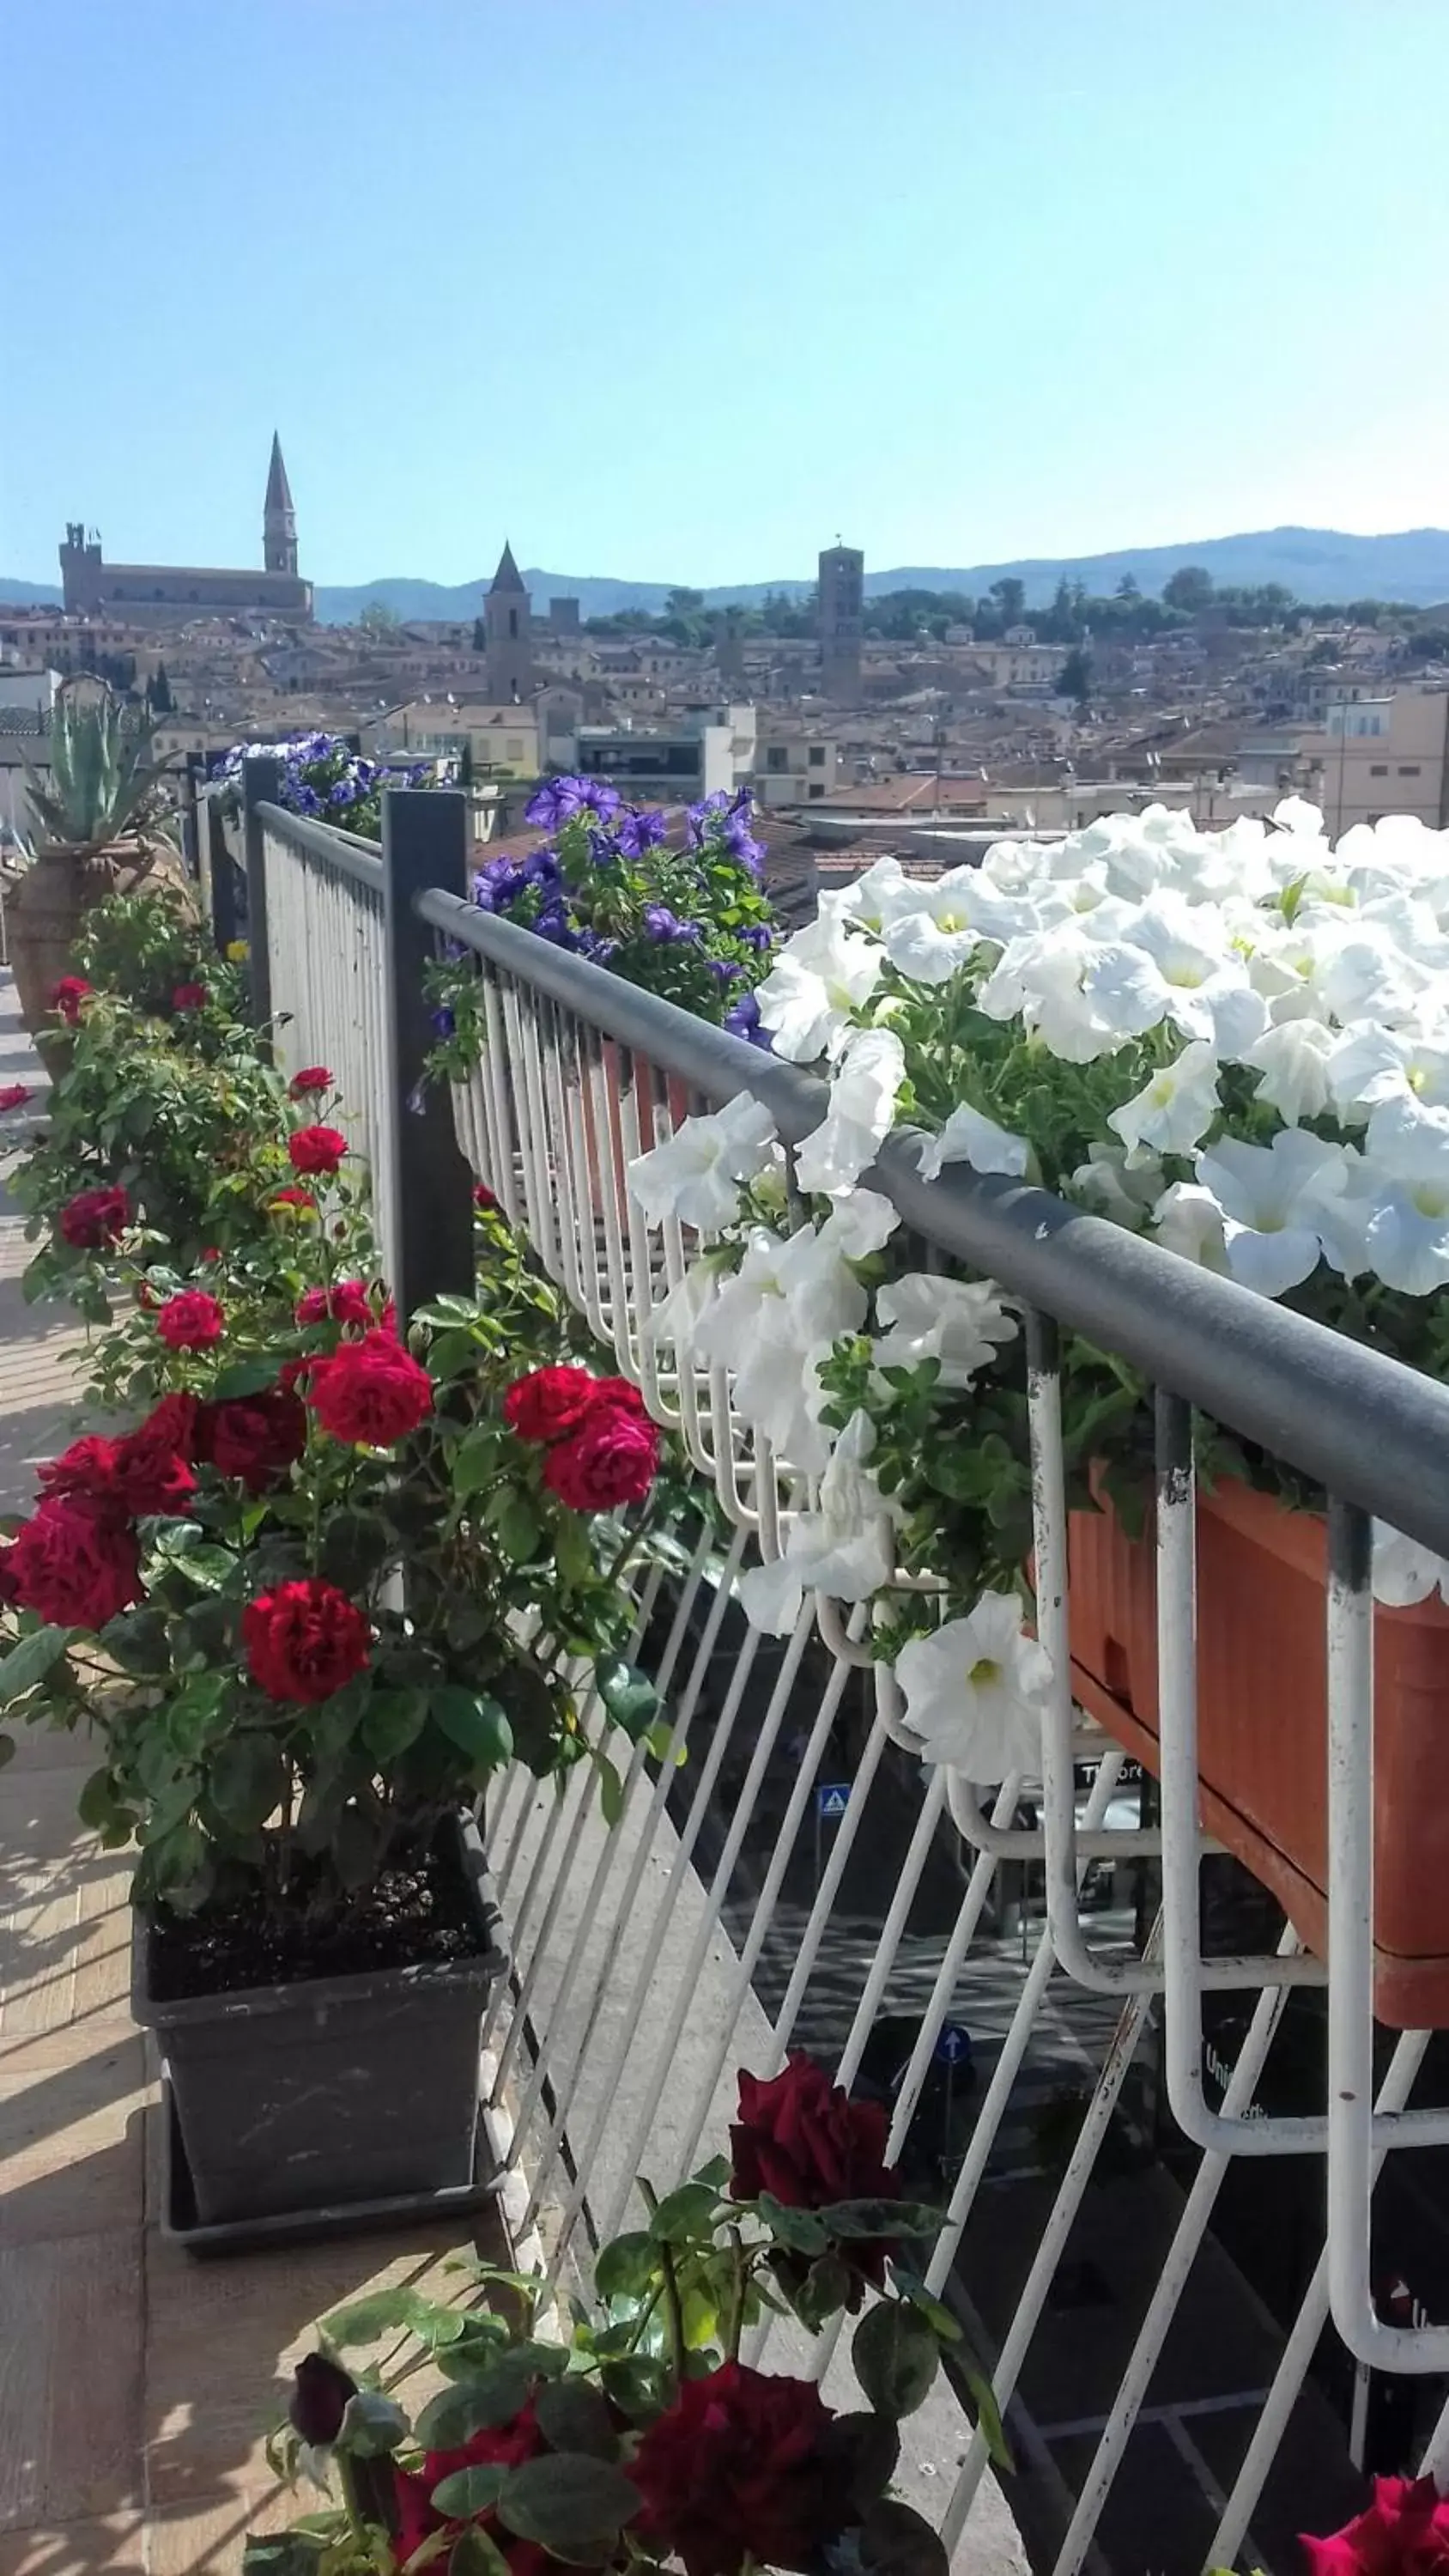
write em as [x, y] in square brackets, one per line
[735, 1908]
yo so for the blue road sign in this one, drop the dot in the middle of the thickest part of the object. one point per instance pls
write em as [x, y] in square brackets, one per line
[832, 1797]
[953, 2045]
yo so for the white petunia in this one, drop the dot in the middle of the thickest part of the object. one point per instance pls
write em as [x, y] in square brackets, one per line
[677, 1316]
[1173, 1111]
[1270, 1196]
[976, 1692]
[1187, 1220]
[817, 984]
[1112, 1185]
[960, 1322]
[919, 948]
[1292, 1058]
[1370, 1065]
[1406, 1209]
[970, 1137]
[862, 1111]
[844, 1548]
[695, 1174]
[871, 898]
[1294, 814]
[787, 1302]
[1404, 1572]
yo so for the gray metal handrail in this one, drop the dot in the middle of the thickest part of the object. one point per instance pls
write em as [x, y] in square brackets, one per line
[1362, 1425]
[345, 851]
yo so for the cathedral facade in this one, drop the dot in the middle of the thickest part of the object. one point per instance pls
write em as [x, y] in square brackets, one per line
[150, 594]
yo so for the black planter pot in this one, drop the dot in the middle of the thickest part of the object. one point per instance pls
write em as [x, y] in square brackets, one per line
[332, 2090]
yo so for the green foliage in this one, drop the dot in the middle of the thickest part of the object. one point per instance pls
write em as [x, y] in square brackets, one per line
[103, 780]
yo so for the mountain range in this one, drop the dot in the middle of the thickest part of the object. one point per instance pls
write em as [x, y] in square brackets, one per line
[1314, 563]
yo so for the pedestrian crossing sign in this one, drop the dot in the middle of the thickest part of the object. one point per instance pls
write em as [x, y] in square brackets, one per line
[831, 1800]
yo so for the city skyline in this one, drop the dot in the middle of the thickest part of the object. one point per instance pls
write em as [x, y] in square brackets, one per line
[677, 298]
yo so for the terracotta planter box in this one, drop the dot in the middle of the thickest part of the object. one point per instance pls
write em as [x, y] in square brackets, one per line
[1262, 1754]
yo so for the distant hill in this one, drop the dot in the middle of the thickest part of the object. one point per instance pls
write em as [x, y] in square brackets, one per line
[1314, 563]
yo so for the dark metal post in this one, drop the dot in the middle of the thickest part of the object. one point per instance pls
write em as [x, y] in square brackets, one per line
[261, 783]
[190, 837]
[430, 1187]
[218, 876]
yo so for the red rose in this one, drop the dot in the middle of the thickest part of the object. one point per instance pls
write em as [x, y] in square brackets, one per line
[255, 1438]
[549, 1403]
[68, 996]
[74, 1563]
[13, 1096]
[504, 2446]
[152, 1464]
[483, 1198]
[191, 1321]
[612, 1459]
[1405, 2532]
[316, 1149]
[739, 2468]
[304, 1640]
[188, 997]
[292, 1198]
[802, 2139]
[313, 1077]
[620, 1394]
[87, 1467]
[94, 1218]
[347, 1302]
[371, 1392]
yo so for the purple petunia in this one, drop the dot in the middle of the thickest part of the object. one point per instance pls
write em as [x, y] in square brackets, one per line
[666, 928]
[759, 935]
[444, 1024]
[743, 1021]
[641, 829]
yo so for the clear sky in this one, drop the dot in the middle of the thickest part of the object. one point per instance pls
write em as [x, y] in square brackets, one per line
[678, 289]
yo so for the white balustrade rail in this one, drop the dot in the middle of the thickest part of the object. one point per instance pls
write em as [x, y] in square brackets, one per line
[789, 1875]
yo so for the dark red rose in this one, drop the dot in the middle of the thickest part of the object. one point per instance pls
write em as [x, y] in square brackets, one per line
[739, 2467]
[68, 996]
[346, 1302]
[316, 1149]
[502, 2446]
[371, 1392]
[483, 1198]
[1405, 2532]
[189, 997]
[321, 2393]
[612, 1458]
[255, 1438]
[191, 1321]
[87, 1467]
[549, 1403]
[803, 2139]
[619, 1395]
[153, 1463]
[304, 1640]
[292, 1198]
[94, 1219]
[313, 1077]
[14, 1095]
[75, 1563]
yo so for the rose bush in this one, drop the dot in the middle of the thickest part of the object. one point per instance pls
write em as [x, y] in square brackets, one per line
[644, 2440]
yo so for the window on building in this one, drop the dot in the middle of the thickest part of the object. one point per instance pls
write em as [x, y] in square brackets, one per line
[777, 756]
[1378, 769]
[817, 787]
[817, 755]
[513, 623]
[1408, 769]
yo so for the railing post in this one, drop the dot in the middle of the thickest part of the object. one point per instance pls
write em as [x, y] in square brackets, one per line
[190, 835]
[428, 1183]
[218, 877]
[261, 781]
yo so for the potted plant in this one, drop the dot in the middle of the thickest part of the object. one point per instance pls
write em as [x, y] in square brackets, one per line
[323, 776]
[96, 823]
[1233, 1043]
[309, 1603]
[644, 2440]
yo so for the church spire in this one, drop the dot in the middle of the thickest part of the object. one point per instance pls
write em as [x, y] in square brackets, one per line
[508, 576]
[279, 519]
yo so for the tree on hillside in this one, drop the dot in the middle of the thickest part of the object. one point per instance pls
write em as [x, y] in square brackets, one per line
[1189, 588]
[1074, 680]
[158, 693]
[682, 603]
[1010, 597]
[378, 620]
[1127, 587]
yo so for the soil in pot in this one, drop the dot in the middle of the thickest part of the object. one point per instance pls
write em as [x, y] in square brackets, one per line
[414, 1914]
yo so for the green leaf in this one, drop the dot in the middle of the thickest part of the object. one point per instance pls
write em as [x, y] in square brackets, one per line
[355, 1545]
[367, 2320]
[137, 1640]
[574, 2506]
[474, 2554]
[611, 1789]
[881, 2218]
[476, 1725]
[247, 1781]
[824, 2291]
[988, 2415]
[627, 2267]
[395, 1719]
[372, 2425]
[517, 1531]
[802, 2230]
[244, 1377]
[209, 1568]
[894, 2540]
[98, 1805]
[282, 2553]
[716, 2173]
[685, 2214]
[475, 1462]
[30, 1661]
[895, 2357]
[573, 2416]
[468, 2491]
[629, 1695]
[639, 2387]
[490, 2398]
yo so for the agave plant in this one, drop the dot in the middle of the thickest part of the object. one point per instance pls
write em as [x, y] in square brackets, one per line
[104, 781]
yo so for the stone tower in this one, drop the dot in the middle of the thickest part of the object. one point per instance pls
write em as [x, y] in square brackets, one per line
[507, 629]
[842, 582]
[279, 519]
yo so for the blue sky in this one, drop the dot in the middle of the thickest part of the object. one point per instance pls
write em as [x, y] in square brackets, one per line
[678, 289]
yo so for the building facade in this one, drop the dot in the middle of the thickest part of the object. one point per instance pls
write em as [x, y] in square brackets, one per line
[842, 609]
[148, 594]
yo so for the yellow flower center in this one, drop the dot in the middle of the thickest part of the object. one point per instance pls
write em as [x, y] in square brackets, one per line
[985, 1669]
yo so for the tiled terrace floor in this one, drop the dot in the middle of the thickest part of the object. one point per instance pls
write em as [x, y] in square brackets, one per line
[136, 2383]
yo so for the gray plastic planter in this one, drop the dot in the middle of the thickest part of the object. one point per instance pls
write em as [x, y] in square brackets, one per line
[324, 2092]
